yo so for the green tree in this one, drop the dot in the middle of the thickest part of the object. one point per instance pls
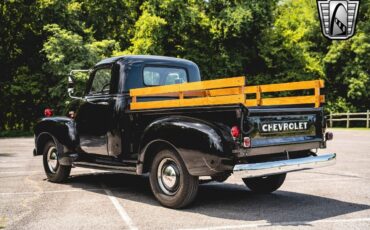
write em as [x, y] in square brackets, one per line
[347, 66]
[294, 46]
[65, 51]
[268, 41]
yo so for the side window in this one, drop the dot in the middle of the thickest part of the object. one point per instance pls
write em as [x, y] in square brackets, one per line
[101, 81]
[154, 76]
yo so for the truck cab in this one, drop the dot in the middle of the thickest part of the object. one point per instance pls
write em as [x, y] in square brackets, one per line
[153, 115]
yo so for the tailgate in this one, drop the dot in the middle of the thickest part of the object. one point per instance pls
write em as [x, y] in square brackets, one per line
[302, 128]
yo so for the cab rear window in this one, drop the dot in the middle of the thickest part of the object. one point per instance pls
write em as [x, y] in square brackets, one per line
[154, 76]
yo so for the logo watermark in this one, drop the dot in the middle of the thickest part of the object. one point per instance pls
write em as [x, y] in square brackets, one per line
[338, 18]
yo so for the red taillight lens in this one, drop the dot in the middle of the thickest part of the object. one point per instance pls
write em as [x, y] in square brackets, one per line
[329, 136]
[48, 112]
[235, 131]
[71, 114]
[247, 142]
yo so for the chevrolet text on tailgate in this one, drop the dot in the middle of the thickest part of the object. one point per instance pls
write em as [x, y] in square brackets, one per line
[152, 114]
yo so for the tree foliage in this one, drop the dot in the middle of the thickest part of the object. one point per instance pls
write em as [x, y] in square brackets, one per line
[268, 41]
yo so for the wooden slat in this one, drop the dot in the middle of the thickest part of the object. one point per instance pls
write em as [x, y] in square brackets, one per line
[292, 86]
[220, 100]
[203, 101]
[251, 102]
[350, 119]
[322, 98]
[155, 90]
[201, 85]
[251, 89]
[213, 84]
[286, 86]
[155, 104]
[288, 100]
[284, 101]
[345, 114]
[223, 92]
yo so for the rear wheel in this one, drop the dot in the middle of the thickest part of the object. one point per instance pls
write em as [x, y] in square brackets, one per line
[54, 171]
[170, 181]
[264, 185]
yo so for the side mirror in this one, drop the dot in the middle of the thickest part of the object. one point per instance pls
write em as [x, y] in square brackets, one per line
[71, 82]
[71, 85]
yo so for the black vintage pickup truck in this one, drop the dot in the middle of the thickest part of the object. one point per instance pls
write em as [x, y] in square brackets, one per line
[131, 121]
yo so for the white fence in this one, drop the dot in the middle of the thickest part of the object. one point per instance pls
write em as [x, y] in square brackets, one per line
[348, 117]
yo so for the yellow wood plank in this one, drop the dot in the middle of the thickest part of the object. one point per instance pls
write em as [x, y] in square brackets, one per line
[288, 100]
[156, 90]
[284, 101]
[258, 95]
[155, 104]
[220, 100]
[290, 86]
[250, 89]
[251, 102]
[201, 85]
[286, 86]
[204, 101]
[322, 98]
[317, 94]
[223, 92]
[213, 84]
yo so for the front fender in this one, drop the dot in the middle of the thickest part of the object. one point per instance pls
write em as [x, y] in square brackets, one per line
[62, 129]
[205, 148]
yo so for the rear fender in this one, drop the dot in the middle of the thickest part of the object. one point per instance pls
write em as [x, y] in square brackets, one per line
[205, 148]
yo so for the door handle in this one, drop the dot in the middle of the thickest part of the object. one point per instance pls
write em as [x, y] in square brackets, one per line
[103, 103]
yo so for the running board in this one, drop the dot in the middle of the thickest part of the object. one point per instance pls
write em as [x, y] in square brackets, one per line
[113, 168]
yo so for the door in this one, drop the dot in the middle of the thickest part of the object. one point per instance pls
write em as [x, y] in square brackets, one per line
[93, 118]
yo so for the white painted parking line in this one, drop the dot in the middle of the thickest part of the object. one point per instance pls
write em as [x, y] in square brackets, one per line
[52, 191]
[39, 172]
[121, 211]
[293, 223]
[57, 191]
[20, 172]
[18, 161]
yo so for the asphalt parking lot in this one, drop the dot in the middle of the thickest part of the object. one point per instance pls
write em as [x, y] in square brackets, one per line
[337, 197]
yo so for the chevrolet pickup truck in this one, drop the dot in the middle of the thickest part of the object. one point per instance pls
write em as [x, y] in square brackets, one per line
[153, 115]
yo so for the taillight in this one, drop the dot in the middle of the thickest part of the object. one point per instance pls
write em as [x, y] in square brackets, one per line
[329, 136]
[48, 112]
[71, 114]
[247, 142]
[235, 132]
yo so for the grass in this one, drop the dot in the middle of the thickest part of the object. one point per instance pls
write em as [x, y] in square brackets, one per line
[15, 133]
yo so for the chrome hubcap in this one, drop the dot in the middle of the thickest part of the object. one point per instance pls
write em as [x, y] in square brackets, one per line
[168, 176]
[52, 158]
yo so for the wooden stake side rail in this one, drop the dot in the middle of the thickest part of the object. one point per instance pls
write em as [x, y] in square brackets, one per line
[201, 97]
[316, 99]
[223, 92]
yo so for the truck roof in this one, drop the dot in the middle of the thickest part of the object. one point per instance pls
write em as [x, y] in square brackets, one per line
[144, 58]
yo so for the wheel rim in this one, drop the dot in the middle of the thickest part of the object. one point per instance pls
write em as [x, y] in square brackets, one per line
[52, 159]
[168, 176]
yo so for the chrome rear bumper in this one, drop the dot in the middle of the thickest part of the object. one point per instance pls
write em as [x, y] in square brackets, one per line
[284, 166]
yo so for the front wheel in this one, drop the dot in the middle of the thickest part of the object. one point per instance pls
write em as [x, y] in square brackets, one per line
[264, 185]
[170, 181]
[54, 171]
